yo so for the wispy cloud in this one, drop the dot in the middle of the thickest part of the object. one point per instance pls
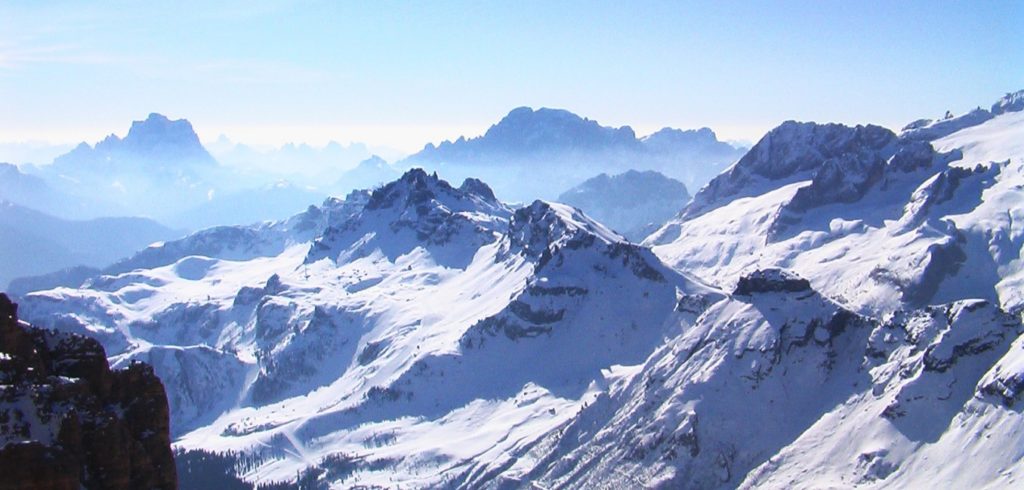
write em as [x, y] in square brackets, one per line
[14, 56]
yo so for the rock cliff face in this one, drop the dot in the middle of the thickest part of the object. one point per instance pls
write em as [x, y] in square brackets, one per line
[67, 421]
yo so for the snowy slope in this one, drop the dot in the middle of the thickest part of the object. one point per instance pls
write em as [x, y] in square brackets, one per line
[861, 328]
[430, 308]
[782, 388]
[908, 222]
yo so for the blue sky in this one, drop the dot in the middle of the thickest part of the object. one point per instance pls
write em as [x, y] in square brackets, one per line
[404, 73]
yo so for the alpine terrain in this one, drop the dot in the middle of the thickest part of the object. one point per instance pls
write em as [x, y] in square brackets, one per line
[841, 307]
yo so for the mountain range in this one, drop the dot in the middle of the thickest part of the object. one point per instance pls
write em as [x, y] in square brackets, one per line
[301, 164]
[541, 153]
[161, 171]
[36, 243]
[839, 307]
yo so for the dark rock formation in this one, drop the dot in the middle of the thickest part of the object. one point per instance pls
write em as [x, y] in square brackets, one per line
[793, 152]
[68, 421]
[771, 281]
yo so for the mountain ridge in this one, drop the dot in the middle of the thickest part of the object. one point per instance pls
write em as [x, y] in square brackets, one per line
[855, 320]
[539, 153]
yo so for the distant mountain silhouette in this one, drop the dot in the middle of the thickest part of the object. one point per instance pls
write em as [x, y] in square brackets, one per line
[36, 243]
[525, 132]
[34, 192]
[538, 153]
[372, 172]
[154, 140]
[159, 169]
[633, 203]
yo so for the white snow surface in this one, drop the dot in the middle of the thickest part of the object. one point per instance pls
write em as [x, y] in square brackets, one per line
[952, 229]
[781, 337]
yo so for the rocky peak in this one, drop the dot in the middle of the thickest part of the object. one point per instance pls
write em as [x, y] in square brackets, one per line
[546, 128]
[110, 143]
[666, 139]
[849, 177]
[156, 138]
[525, 131]
[413, 188]
[771, 280]
[477, 187]
[1011, 102]
[541, 225]
[794, 147]
[158, 135]
[792, 152]
[434, 211]
[68, 421]
[421, 191]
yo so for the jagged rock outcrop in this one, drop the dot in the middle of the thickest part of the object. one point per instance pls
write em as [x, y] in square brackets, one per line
[418, 209]
[1011, 102]
[771, 280]
[67, 421]
[792, 152]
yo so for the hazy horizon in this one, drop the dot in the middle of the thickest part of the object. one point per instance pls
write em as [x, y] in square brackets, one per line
[400, 76]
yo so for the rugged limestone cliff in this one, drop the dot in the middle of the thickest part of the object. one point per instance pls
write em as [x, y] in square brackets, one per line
[68, 421]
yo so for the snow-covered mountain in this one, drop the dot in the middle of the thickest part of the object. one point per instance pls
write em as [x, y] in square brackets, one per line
[873, 219]
[540, 153]
[928, 129]
[235, 242]
[839, 308]
[634, 203]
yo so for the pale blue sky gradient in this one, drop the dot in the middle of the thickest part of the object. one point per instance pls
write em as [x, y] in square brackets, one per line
[404, 73]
